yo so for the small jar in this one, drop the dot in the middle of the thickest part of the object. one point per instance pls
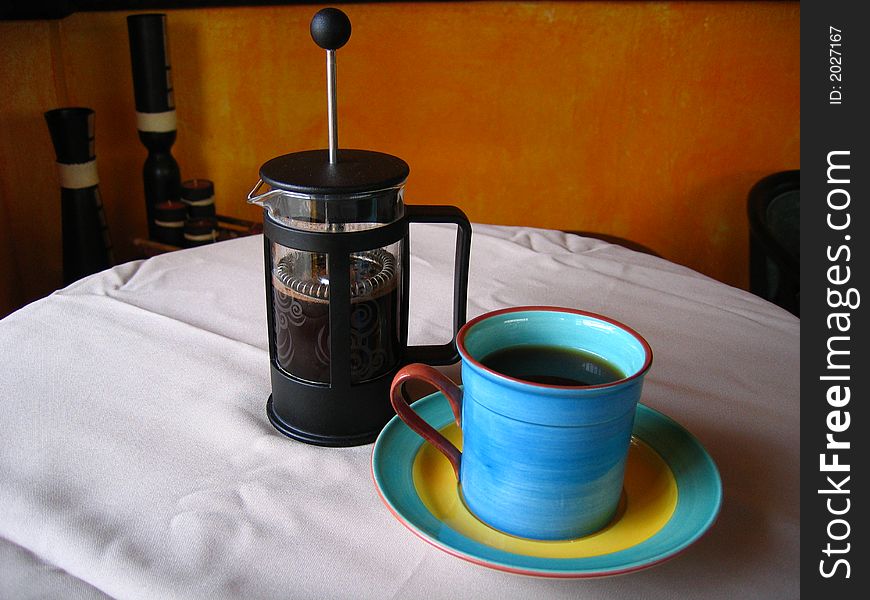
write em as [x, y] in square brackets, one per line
[169, 218]
[198, 195]
[198, 232]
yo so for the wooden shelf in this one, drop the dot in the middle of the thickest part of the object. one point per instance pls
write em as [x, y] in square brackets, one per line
[227, 229]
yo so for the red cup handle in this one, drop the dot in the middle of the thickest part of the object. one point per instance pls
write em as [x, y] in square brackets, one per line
[450, 390]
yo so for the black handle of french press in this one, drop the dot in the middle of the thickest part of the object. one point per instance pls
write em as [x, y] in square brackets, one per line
[445, 354]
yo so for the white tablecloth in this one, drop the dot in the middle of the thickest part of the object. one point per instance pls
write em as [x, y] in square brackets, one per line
[136, 460]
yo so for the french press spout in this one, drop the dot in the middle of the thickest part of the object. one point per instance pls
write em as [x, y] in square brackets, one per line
[336, 259]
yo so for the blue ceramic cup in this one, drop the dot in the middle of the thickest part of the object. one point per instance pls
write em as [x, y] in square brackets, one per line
[539, 460]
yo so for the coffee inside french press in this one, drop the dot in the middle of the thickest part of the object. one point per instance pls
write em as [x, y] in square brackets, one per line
[336, 253]
[301, 305]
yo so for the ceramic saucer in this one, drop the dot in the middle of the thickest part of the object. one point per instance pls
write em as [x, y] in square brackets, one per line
[671, 496]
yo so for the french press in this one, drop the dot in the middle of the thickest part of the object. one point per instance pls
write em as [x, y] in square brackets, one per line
[336, 248]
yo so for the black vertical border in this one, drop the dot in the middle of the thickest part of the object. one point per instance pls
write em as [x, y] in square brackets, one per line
[828, 127]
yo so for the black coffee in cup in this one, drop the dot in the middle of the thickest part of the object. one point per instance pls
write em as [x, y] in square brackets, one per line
[552, 365]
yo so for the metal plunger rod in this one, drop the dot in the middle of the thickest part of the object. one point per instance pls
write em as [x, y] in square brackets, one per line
[332, 106]
[330, 29]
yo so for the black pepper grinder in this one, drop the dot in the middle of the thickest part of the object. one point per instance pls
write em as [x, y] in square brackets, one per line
[87, 247]
[155, 110]
[337, 270]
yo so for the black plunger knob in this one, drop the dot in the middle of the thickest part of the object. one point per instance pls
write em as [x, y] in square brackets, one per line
[330, 28]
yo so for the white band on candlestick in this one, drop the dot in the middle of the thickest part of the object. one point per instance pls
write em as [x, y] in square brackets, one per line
[78, 176]
[173, 224]
[204, 202]
[156, 122]
[199, 237]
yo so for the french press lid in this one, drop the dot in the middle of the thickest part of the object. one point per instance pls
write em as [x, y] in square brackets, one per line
[310, 172]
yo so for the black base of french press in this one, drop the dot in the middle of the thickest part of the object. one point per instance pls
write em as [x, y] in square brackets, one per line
[335, 416]
[315, 439]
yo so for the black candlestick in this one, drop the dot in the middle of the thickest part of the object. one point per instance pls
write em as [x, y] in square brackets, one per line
[87, 247]
[155, 109]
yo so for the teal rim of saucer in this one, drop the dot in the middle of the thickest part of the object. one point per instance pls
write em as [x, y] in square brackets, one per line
[698, 483]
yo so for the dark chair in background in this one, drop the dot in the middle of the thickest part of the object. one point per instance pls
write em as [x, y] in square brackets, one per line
[774, 239]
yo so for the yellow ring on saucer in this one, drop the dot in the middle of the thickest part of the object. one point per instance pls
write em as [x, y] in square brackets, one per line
[648, 501]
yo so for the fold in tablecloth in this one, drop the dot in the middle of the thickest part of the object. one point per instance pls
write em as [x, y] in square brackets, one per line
[136, 460]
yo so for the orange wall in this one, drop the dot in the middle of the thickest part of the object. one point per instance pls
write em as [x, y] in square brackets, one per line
[646, 120]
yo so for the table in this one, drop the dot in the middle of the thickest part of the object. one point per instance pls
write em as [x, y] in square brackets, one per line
[136, 460]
